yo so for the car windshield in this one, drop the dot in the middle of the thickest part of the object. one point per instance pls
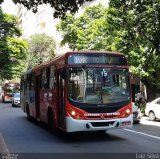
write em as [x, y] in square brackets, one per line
[98, 85]
[17, 95]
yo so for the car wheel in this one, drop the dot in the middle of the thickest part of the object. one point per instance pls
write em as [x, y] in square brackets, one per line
[3, 99]
[152, 116]
[136, 122]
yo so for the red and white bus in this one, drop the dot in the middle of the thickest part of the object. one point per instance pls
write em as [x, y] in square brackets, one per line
[79, 91]
[8, 88]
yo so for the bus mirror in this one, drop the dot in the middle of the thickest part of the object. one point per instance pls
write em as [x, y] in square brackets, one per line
[64, 74]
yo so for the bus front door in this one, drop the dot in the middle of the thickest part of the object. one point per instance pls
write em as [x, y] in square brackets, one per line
[61, 102]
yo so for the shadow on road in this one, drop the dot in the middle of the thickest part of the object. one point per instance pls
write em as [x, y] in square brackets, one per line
[89, 137]
[79, 136]
[148, 127]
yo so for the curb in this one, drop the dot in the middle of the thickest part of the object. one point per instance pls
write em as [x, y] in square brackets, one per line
[3, 146]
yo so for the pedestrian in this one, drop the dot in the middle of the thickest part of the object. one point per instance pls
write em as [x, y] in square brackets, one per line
[139, 99]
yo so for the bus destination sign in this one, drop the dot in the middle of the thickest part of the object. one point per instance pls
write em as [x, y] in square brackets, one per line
[109, 59]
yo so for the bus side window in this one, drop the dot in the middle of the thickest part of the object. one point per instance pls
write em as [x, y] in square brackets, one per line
[45, 78]
[28, 85]
[22, 84]
[32, 82]
[52, 77]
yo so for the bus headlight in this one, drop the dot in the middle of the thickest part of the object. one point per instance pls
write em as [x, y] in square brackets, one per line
[126, 113]
[74, 114]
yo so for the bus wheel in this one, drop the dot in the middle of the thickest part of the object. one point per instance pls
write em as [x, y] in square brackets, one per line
[3, 99]
[51, 123]
[28, 113]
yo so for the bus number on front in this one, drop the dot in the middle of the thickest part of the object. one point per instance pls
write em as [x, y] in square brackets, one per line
[80, 59]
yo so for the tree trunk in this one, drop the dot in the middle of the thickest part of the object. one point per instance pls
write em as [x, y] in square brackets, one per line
[151, 89]
[151, 93]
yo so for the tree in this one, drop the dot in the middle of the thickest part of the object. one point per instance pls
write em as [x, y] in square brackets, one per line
[129, 27]
[41, 49]
[86, 31]
[60, 7]
[136, 25]
[12, 50]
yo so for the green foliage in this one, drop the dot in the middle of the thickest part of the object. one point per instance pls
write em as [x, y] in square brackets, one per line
[86, 31]
[138, 24]
[60, 7]
[41, 49]
[142, 109]
[8, 25]
[12, 50]
[131, 27]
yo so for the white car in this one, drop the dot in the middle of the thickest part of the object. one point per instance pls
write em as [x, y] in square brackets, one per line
[153, 109]
[136, 113]
[16, 99]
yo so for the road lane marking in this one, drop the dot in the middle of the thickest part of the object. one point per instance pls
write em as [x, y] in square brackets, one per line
[3, 146]
[137, 132]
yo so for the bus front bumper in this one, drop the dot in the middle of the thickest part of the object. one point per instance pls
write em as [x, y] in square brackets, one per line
[73, 125]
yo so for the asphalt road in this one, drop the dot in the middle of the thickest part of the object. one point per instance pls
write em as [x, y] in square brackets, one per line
[19, 136]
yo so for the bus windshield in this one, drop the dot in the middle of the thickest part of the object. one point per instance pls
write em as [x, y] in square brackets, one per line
[98, 85]
[10, 88]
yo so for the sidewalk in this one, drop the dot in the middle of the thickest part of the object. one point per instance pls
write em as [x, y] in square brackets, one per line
[3, 146]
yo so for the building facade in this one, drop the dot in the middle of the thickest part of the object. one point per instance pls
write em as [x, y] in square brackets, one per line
[44, 22]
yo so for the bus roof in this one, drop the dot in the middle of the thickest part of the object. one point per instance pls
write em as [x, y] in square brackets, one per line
[94, 52]
[64, 55]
